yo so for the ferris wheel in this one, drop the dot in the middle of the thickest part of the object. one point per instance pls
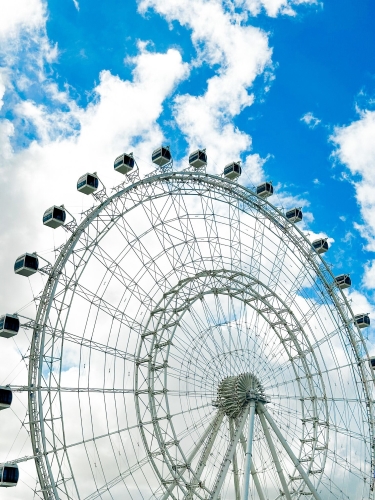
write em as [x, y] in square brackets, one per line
[192, 343]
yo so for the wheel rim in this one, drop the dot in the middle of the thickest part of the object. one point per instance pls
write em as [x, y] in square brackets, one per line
[220, 261]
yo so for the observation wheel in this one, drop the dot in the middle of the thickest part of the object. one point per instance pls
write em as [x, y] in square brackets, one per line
[191, 343]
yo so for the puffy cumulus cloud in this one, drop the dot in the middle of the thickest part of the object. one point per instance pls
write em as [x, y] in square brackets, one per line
[369, 277]
[17, 15]
[272, 8]
[310, 120]
[241, 55]
[123, 115]
[355, 148]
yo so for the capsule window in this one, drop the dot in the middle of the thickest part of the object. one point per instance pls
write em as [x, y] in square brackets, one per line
[161, 156]
[92, 181]
[232, 171]
[26, 265]
[343, 281]
[294, 215]
[6, 397]
[9, 475]
[9, 326]
[124, 163]
[362, 320]
[198, 158]
[54, 217]
[264, 190]
[320, 246]
[88, 183]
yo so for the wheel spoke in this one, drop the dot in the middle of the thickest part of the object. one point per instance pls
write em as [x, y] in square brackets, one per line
[294, 459]
[229, 455]
[275, 457]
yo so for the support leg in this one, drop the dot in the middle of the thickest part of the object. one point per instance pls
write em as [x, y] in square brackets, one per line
[274, 456]
[235, 464]
[248, 456]
[229, 456]
[253, 471]
[292, 456]
[218, 418]
[205, 454]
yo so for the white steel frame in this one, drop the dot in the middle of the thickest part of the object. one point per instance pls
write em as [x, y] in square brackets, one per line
[180, 475]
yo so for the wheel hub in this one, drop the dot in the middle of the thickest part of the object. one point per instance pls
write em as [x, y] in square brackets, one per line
[234, 393]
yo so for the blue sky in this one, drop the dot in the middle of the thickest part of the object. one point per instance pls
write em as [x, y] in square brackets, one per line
[321, 66]
[287, 86]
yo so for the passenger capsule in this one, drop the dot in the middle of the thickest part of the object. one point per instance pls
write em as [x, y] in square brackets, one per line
[265, 190]
[124, 163]
[161, 156]
[88, 183]
[372, 362]
[343, 281]
[9, 326]
[26, 265]
[362, 320]
[6, 397]
[198, 158]
[320, 245]
[54, 217]
[9, 475]
[233, 170]
[294, 215]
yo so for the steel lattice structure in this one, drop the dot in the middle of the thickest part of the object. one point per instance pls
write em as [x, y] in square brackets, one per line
[190, 343]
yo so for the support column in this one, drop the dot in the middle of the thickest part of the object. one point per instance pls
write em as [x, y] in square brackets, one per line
[235, 464]
[292, 456]
[253, 471]
[217, 419]
[274, 456]
[229, 456]
[205, 454]
[248, 456]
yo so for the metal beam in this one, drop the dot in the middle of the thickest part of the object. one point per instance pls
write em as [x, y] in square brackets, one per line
[206, 453]
[253, 471]
[248, 455]
[274, 456]
[195, 450]
[235, 464]
[229, 456]
[292, 456]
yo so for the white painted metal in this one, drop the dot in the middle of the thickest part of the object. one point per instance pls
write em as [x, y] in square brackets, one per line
[215, 424]
[287, 448]
[151, 373]
[248, 455]
[229, 456]
[253, 471]
[275, 457]
[235, 462]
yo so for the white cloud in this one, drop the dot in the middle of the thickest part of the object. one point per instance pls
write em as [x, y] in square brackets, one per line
[272, 8]
[76, 4]
[17, 15]
[369, 276]
[79, 140]
[356, 149]
[310, 120]
[242, 54]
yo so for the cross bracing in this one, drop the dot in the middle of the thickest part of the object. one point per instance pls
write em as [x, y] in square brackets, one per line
[172, 284]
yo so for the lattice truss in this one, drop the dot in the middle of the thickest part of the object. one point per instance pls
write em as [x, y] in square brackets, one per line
[183, 312]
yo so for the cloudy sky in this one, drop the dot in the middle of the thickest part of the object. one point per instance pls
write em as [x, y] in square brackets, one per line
[287, 86]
